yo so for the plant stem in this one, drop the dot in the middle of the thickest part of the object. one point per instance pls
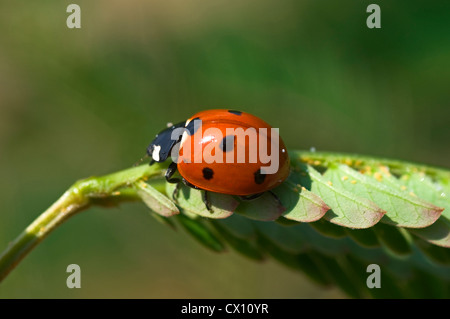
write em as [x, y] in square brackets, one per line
[69, 204]
[105, 190]
[118, 187]
[359, 162]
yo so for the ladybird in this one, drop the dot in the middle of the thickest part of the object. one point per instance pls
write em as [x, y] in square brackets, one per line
[223, 151]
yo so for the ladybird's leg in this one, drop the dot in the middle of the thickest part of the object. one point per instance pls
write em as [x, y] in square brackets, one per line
[169, 173]
[204, 196]
[251, 197]
[189, 184]
[276, 198]
[255, 196]
[206, 201]
[176, 191]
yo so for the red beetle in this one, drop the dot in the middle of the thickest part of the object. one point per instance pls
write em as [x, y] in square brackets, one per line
[223, 151]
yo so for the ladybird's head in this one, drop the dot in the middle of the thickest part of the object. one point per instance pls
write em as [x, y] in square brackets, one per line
[160, 148]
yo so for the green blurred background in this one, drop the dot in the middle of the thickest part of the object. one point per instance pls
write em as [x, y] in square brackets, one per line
[75, 103]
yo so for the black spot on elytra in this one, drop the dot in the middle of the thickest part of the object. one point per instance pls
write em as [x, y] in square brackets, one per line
[192, 127]
[259, 177]
[207, 173]
[235, 112]
[227, 143]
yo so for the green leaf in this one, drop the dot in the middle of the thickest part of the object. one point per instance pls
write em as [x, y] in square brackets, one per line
[301, 205]
[347, 209]
[437, 234]
[163, 220]
[200, 232]
[265, 208]
[299, 238]
[437, 254]
[424, 187]
[286, 222]
[364, 237]
[299, 261]
[426, 286]
[248, 248]
[192, 200]
[239, 226]
[415, 260]
[389, 285]
[402, 210]
[341, 276]
[328, 229]
[156, 201]
[393, 238]
[290, 239]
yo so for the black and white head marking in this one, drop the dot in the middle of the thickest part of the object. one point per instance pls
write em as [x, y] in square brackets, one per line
[160, 148]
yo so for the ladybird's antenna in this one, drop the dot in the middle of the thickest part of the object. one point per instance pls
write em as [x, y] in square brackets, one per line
[142, 159]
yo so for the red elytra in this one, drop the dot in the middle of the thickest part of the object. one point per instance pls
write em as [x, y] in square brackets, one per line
[233, 178]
